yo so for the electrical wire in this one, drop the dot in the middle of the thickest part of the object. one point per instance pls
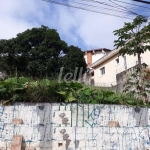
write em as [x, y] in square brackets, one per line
[79, 7]
[111, 8]
[139, 6]
[141, 9]
[124, 8]
[141, 1]
[116, 10]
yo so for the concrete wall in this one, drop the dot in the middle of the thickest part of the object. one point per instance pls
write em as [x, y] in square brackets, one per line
[76, 127]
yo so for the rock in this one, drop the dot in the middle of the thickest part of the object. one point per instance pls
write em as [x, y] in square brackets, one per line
[113, 124]
[16, 142]
[30, 148]
[17, 121]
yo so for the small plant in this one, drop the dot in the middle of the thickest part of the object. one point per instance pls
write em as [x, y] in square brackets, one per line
[68, 91]
[86, 95]
[42, 91]
[128, 99]
[96, 96]
[11, 90]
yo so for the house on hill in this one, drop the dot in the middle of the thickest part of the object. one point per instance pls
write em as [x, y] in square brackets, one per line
[91, 56]
[110, 69]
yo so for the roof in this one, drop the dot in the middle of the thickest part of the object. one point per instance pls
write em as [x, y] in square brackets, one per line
[108, 55]
[104, 58]
[99, 49]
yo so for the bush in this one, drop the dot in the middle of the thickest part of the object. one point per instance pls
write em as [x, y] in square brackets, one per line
[45, 90]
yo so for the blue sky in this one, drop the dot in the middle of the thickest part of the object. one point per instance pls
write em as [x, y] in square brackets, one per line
[84, 29]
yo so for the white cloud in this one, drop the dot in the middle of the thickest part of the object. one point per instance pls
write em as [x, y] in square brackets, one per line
[77, 27]
[97, 29]
[18, 15]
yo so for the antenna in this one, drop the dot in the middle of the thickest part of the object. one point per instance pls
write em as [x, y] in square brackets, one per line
[92, 49]
[90, 46]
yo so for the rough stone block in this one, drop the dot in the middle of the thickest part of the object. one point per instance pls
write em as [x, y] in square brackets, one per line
[17, 121]
[16, 147]
[17, 140]
[3, 144]
[30, 148]
[113, 124]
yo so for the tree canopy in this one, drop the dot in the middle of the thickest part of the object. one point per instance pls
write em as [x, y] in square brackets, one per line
[133, 39]
[39, 52]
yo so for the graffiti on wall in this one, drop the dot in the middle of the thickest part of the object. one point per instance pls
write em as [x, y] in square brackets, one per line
[77, 127]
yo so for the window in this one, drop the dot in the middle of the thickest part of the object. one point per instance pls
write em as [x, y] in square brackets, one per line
[92, 74]
[117, 60]
[102, 71]
[125, 62]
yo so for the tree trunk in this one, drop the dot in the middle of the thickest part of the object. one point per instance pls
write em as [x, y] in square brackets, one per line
[139, 61]
[141, 79]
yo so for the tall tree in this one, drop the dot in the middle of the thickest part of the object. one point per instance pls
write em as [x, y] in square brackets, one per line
[35, 52]
[73, 62]
[134, 39]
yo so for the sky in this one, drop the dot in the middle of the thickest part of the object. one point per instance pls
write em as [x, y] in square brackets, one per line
[84, 29]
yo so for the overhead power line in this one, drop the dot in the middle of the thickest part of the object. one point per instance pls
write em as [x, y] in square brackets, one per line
[124, 8]
[134, 6]
[141, 1]
[115, 8]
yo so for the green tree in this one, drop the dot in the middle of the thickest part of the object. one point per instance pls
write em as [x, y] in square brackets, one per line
[74, 61]
[36, 52]
[134, 39]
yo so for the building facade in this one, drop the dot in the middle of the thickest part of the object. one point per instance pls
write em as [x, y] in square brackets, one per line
[110, 69]
[92, 56]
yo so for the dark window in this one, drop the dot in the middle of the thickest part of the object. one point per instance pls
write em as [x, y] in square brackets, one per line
[117, 60]
[102, 71]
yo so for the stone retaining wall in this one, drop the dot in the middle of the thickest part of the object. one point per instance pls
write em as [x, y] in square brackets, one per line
[75, 127]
